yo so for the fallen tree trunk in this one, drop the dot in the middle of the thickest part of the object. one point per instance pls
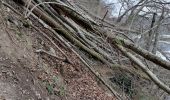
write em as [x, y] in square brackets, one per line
[59, 29]
[87, 24]
[144, 68]
[144, 53]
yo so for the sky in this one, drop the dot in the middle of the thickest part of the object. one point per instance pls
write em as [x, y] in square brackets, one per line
[117, 5]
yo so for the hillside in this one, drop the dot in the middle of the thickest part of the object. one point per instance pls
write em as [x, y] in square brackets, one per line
[59, 50]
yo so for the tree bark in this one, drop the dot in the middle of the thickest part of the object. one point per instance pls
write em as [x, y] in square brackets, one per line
[144, 68]
[144, 53]
[157, 33]
[150, 34]
[89, 25]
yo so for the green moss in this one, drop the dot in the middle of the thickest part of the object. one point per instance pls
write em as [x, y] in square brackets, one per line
[62, 91]
[117, 41]
[19, 33]
[49, 88]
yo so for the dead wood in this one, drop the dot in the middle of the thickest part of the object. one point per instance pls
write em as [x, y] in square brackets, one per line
[78, 37]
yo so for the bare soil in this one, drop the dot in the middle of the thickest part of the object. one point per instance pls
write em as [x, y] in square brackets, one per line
[26, 75]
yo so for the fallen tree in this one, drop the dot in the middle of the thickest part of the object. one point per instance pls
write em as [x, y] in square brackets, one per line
[86, 34]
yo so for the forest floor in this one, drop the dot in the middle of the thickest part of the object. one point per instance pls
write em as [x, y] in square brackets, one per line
[27, 75]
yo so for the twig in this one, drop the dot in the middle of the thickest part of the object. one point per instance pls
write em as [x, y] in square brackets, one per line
[8, 33]
[67, 59]
[46, 36]
[164, 54]
[145, 69]
[105, 15]
[98, 76]
[27, 8]
[43, 51]
[9, 6]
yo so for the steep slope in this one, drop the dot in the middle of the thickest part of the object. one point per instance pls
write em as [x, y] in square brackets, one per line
[26, 74]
